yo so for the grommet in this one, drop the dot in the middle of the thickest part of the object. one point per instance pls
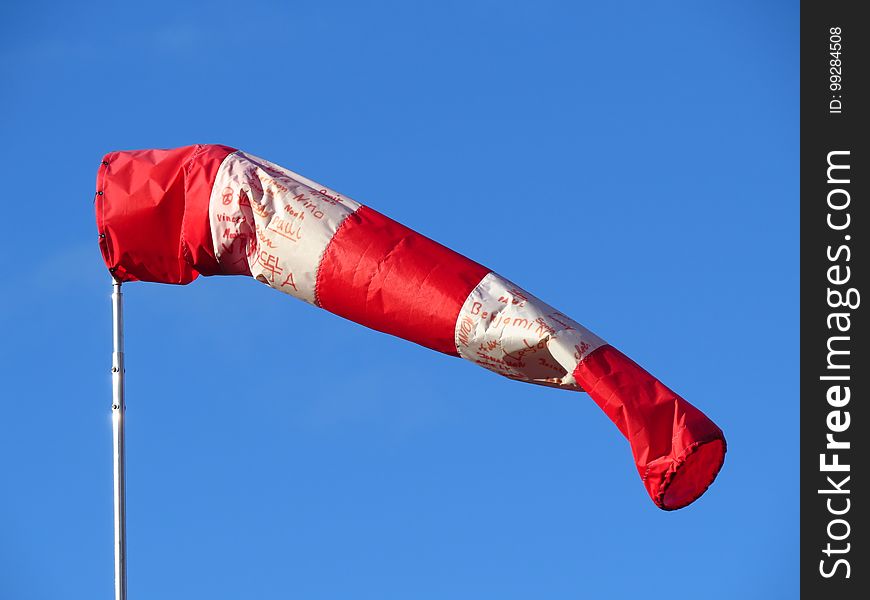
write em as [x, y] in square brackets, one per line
[113, 269]
[105, 163]
[102, 235]
[100, 193]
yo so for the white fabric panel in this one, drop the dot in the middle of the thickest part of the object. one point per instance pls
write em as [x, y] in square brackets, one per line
[274, 222]
[505, 329]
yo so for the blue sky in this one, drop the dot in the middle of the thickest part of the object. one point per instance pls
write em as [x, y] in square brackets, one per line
[633, 164]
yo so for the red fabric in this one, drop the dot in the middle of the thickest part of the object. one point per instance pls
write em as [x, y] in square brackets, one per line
[383, 275]
[200, 172]
[677, 449]
[141, 202]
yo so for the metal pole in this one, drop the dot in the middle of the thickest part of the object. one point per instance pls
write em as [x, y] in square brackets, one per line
[118, 408]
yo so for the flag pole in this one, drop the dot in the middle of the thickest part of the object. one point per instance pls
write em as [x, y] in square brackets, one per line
[118, 408]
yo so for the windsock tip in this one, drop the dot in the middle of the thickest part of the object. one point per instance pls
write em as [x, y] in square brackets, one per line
[691, 474]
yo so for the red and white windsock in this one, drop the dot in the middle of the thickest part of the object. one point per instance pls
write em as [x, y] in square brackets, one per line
[170, 215]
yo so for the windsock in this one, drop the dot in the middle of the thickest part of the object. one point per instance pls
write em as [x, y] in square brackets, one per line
[168, 216]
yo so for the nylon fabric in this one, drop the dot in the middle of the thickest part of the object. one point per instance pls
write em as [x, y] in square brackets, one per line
[663, 429]
[505, 329]
[381, 274]
[274, 224]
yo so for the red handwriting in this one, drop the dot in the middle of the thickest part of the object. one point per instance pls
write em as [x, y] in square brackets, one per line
[581, 350]
[501, 362]
[497, 318]
[260, 209]
[490, 345]
[336, 199]
[294, 213]
[243, 198]
[290, 281]
[227, 196]
[253, 247]
[221, 217]
[527, 348]
[562, 320]
[269, 263]
[309, 205]
[290, 230]
[466, 326]
[269, 243]
[271, 183]
[230, 249]
[550, 365]
[274, 171]
[517, 297]
[500, 320]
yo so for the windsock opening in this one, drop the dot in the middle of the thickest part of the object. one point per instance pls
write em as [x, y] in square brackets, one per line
[693, 475]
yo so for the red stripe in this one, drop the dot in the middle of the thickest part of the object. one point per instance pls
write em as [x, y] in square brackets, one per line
[199, 176]
[140, 206]
[383, 275]
[677, 449]
[152, 212]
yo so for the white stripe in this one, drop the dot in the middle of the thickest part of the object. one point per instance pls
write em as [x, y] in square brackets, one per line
[273, 222]
[507, 330]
